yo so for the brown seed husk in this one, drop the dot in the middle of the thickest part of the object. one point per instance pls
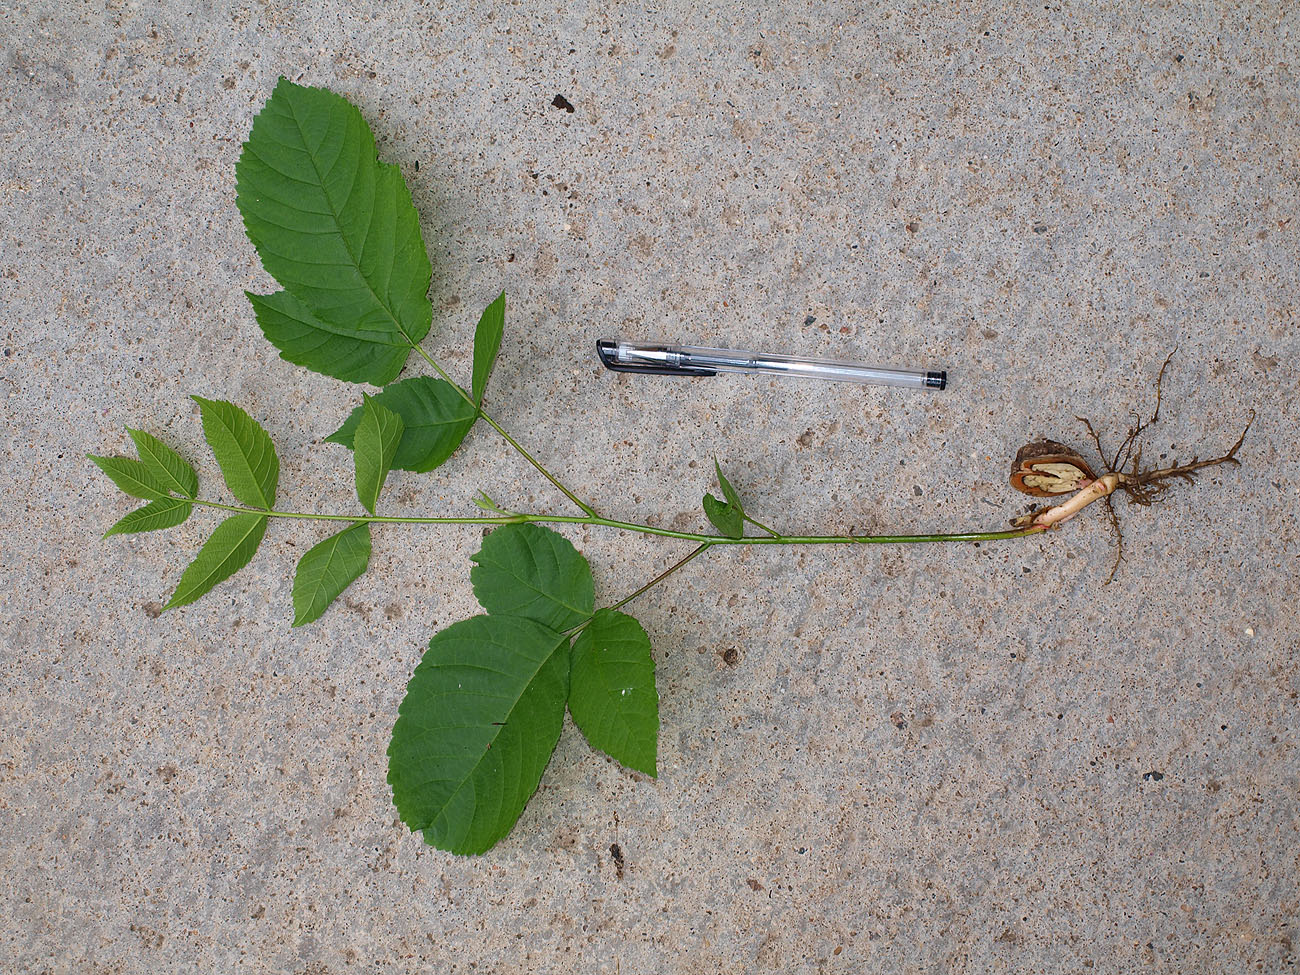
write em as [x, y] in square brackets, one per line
[1046, 469]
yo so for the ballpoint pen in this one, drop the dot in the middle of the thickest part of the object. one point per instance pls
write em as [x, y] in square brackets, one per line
[690, 360]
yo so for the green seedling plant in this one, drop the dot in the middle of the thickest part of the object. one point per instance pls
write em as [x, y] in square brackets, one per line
[484, 708]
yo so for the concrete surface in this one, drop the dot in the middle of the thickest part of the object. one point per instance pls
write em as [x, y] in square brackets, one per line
[915, 760]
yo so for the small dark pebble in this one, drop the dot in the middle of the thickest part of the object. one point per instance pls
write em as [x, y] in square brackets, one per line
[811, 319]
[616, 852]
[559, 101]
[1152, 776]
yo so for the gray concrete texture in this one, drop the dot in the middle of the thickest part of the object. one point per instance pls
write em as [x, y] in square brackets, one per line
[944, 758]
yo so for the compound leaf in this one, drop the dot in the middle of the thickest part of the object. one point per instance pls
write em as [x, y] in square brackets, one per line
[487, 343]
[612, 694]
[338, 231]
[243, 451]
[474, 733]
[435, 415]
[327, 569]
[230, 548]
[169, 468]
[530, 571]
[160, 513]
[132, 476]
[374, 446]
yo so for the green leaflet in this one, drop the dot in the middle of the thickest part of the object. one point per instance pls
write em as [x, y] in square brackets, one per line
[612, 694]
[727, 516]
[160, 513]
[327, 569]
[530, 571]
[230, 548]
[168, 467]
[728, 491]
[724, 517]
[374, 446]
[243, 450]
[487, 343]
[333, 350]
[474, 733]
[436, 417]
[132, 476]
[337, 229]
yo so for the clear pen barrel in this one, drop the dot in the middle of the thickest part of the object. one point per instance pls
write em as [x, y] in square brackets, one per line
[732, 360]
[691, 357]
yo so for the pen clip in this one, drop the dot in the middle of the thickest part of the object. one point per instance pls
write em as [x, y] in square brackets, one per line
[605, 348]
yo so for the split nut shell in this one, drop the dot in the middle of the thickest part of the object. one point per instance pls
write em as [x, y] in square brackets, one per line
[1046, 468]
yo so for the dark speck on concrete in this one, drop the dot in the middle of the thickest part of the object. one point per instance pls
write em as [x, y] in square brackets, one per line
[1152, 776]
[559, 101]
[616, 852]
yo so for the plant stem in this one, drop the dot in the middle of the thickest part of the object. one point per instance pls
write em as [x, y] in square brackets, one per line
[529, 457]
[758, 524]
[700, 550]
[631, 526]
[501, 430]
